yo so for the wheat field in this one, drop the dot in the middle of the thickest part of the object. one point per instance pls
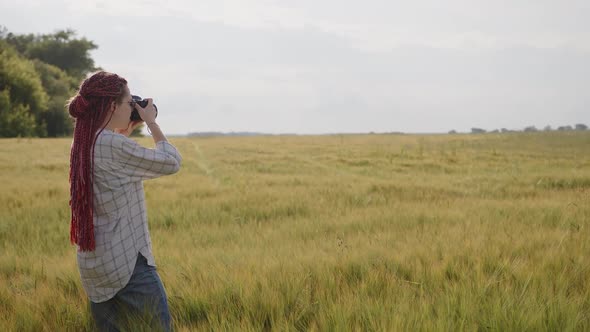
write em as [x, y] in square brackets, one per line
[326, 233]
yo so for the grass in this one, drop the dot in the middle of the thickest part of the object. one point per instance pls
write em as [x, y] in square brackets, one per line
[326, 233]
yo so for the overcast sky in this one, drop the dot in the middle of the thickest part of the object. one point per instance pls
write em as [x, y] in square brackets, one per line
[328, 66]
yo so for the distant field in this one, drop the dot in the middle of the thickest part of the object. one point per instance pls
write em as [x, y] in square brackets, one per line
[366, 232]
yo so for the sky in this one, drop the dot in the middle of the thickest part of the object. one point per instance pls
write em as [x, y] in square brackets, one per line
[327, 66]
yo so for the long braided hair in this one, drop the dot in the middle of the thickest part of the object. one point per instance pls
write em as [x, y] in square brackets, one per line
[90, 109]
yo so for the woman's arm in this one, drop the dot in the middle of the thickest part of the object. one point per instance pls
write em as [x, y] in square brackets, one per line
[148, 114]
[156, 132]
[140, 163]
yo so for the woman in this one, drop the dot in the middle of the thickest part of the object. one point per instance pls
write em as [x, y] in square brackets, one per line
[109, 218]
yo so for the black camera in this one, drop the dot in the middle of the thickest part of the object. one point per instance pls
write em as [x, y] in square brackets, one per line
[143, 103]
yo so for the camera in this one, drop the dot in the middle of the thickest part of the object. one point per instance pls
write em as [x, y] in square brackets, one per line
[141, 102]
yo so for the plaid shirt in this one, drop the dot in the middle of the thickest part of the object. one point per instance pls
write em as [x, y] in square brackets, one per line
[120, 218]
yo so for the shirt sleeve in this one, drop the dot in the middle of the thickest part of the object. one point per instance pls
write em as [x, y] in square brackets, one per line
[140, 163]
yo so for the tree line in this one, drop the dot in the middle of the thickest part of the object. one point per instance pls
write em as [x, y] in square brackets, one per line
[529, 129]
[38, 74]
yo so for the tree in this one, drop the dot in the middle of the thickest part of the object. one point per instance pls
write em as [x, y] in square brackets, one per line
[137, 132]
[15, 121]
[530, 129]
[60, 49]
[38, 73]
[19, 42]
[478, 131]
[59, 87]
[581, 126]
[22, 93]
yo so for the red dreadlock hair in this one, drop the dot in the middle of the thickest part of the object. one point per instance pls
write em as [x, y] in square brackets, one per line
[90, 107]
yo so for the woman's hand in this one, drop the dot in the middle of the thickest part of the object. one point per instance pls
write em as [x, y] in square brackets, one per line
[147, 114]
[130, 128]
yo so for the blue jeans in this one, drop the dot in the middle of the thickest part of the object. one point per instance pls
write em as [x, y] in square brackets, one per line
[141, 303]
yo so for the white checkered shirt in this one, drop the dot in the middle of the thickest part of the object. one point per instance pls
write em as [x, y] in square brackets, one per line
[120, 217]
